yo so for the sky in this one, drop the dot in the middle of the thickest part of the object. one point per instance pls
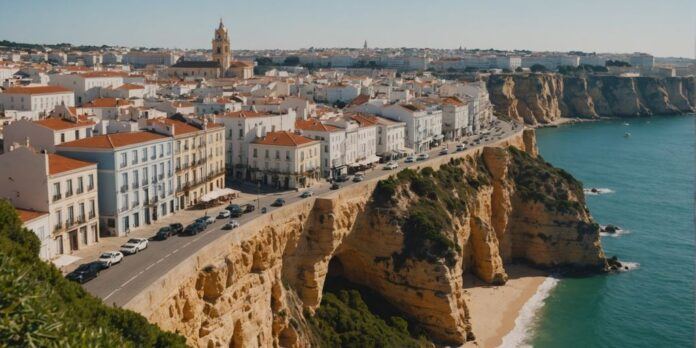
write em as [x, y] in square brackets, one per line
[662, 28]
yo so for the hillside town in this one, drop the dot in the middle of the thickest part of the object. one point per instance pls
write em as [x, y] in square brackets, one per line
[98, 143]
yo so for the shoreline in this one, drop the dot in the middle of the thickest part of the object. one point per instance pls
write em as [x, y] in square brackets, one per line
[503, 313]
[568, 120]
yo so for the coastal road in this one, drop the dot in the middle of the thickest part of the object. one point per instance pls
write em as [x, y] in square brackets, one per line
[120, 283]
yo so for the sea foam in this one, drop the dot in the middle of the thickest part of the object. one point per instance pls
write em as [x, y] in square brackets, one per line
[599, 191]
[616, 234]
[520, 334]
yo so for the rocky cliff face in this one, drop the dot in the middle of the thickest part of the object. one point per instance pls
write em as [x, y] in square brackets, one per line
[542, 98]
[410, 238]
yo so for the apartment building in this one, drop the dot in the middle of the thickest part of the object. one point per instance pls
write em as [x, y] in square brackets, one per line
[62, 187]
[47, 133]
[37, 100]
[136, 177]
[423, 124]
[391, 135]
[455, 118]
[199, 157]
[243, 127]
[88, 86]
[285, 159]
[332, 140]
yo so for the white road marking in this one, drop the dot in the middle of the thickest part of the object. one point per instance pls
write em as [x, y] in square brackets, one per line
[130, 280]
[111, 293]
[175, 251]
[148, 267]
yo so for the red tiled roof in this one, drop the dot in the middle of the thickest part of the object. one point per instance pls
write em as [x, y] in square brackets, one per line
[106, 103]
[180, 128]
[37, 90]
[453, 101]
[28, 215]
[364, 120]
[104, 74]
[245, 114]
[130, 86]
[115, 140]
[58, 164]
[61, 124]
[283, 138]
[359, 100]
[312, 124]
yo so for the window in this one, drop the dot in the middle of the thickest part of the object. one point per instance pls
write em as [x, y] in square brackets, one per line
[56, 191]
[169, 148]
[81, 210]
[241, 133]
[143, 158]
[92, 209]
[124, 158]
[80, 185]
[161, 150]
[255, 153]
[134, 157]
[277, 154]
[68, 190]
[90, 182]
[77, 134]
[71, 215]
[62, 137]
[266, 153]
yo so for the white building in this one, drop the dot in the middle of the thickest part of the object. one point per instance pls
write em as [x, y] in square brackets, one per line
[455, 118]
[423, 124]
[39, 100]
[47, 133]
[64, 188]
[333, 142]
[88, 86]
[285, 159]
[551, 61]
[243, 127]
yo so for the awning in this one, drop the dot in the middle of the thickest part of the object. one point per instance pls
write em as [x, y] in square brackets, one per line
[217, 194]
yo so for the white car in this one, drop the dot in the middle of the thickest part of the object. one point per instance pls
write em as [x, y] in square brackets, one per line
[134, 245]
[391, 165]
[110, 258]
[410, 159]
[209, 220]
[224, 214]
[231, 225]
[423, 157]
[460, 147]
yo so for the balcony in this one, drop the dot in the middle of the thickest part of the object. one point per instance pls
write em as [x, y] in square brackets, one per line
[144, 182]
[160, 176]
[79, 191]
[90, 187]
[122, 165]
[57, 197]
[58, 227]
[69, 223]
[80, 219]
[68, 194]
[123, 209]
[153, 180]
[135, 184]
[124, 188]
[91, 215]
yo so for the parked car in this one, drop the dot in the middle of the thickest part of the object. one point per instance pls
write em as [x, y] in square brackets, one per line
[444, 151]
[235, 210]
[422, 157]
[335, 186]
[342, 178]
[410, 159]
[193, 229]
[249, 208]
[206, 220]
[232, 224]
[358, 177]
[85, 272]
[164, 233]
[278, 202]
[306, 194]
[460, 147]
[224, 214]
[391, 165]
[176, 228]
[134, 245]
[110, 258]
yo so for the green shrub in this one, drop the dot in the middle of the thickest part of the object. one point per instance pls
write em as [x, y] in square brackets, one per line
[40, 308]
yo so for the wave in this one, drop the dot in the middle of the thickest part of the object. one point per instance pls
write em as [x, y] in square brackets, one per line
[597, 191]
[616, 234]
[627, 266]
[520, 334]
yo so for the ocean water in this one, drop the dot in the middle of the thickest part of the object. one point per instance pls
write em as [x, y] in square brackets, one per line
[650, 182]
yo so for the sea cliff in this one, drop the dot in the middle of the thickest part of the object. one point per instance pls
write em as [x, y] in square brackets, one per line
[544, 97]
[410, 238]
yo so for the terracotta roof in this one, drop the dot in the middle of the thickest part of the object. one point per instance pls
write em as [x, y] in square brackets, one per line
[28, 215]
[283, 138]
[312, 124]
[106, 103]
[240, 64]
[104, 74]
[180, 127]
[453, 101]
[61, 124]
[37, 90]
[130, 86]
[115, 140]
[183, 104]
[359, 100]
[363, 120]
[246, 114]
[59, 164]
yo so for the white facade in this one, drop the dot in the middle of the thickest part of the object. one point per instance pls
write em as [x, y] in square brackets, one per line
[87, 86]
[423, 126]
[276, 161]
[45, 134]
[39, 100]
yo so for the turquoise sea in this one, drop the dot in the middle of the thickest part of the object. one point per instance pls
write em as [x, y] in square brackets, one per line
[651, 178]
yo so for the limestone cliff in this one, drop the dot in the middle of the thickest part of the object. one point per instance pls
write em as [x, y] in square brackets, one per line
[542, 98]
[410, 238]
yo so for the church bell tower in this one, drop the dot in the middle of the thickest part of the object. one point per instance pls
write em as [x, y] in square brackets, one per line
[221, 47]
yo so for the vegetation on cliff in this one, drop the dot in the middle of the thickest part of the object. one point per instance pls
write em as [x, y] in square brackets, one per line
[40, 308]
[539, 181]
[355, 316]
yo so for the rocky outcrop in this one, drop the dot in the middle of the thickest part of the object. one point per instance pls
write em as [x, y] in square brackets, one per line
[543, 98]
[410, 238]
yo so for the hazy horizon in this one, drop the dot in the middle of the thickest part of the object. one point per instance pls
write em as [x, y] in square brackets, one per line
[620, 26]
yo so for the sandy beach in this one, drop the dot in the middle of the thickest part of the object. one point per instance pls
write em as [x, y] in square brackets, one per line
[494, 309]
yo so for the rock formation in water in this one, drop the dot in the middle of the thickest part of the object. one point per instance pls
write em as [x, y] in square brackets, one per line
[409, 238]
[543, 98]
